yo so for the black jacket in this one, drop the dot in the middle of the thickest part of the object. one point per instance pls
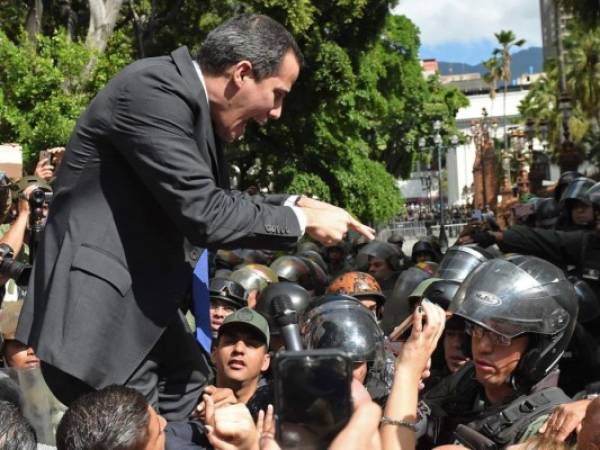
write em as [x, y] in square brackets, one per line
[143, 185]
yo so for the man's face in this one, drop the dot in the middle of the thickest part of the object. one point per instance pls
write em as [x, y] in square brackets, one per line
[453, 349]
[494, 363]
[156, 431]
[249, 99]
[582, 214]
[241, 354]
[218, 311]
[19, 356]
[371, 305]
[379, 268]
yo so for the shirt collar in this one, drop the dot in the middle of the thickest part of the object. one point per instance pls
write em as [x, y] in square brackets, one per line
[199, 72]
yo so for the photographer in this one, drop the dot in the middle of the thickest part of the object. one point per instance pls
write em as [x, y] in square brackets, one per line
[14, 237]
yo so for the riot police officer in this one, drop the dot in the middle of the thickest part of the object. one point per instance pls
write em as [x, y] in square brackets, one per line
[520, 313]
[342, 322]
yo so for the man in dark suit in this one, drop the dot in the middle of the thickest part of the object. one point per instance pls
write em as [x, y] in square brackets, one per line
[142, 191]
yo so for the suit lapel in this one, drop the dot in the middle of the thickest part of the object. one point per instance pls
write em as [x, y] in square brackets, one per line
[203, 128]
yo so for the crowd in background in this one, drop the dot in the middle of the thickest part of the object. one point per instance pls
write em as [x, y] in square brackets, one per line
[499, 348]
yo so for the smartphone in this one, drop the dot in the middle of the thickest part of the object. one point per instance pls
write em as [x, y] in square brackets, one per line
[45, 155]
[313, 401]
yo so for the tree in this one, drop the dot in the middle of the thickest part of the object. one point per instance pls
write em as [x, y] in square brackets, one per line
[587, 12]
[507, 40]
[42, 90]
[493, 75]
[350, 124]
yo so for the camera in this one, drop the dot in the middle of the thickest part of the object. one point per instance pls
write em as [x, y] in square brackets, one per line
[10, 268]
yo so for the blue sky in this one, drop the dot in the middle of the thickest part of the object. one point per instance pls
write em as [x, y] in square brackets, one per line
[463, 30]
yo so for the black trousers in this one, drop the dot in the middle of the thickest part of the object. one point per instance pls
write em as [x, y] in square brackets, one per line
[171, 377]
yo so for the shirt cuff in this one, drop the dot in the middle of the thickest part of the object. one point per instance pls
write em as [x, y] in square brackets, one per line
[291, 200]
[301, 218]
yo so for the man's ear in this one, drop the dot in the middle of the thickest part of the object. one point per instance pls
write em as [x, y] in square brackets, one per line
[266, 362]
[241, 70]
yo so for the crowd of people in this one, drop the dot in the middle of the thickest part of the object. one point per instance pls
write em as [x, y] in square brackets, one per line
[166, 311]
[501, 351]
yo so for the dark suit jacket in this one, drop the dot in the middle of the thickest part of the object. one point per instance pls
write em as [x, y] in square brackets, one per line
[143, 184]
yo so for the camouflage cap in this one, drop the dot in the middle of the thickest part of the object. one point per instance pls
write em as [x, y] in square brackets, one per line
[249, 317]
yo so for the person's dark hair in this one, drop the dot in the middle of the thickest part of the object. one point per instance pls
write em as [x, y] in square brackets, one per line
[114, 418]
[253, 37]
[15, 432]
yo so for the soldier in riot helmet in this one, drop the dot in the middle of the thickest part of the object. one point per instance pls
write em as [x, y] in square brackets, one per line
[577, 212]
[562, 183]
[363, 287]
[301, 270]
[424, 250]
[520, 313]
[383, 261]
[577, 252]
[343, 323]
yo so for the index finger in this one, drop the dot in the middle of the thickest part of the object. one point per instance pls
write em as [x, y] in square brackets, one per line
[361, 228]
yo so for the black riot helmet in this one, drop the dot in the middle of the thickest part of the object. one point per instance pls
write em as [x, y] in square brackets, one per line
[382, 250]
[441, 292]
[522, 295]
[594, 196]
[397, 306]
[254, 276]
[547, 212]
[460, 260]
[290, 268]
[314, 256]
[396, 238]
[576, 190]
[317, 279]
[228, 291]
[343, 323]
[589, 307]
[563, 181]
[298, 296]
[425, 246]
[308, 246]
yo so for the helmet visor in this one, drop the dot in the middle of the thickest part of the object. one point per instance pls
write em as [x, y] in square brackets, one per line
[458, 263]
[505, 299]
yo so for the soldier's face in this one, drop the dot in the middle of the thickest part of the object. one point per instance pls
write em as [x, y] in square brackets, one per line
[582, 214]
[494, 363]
[240, 355]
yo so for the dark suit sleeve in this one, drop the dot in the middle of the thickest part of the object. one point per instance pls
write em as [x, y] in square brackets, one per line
[153, 122]
[559, 247]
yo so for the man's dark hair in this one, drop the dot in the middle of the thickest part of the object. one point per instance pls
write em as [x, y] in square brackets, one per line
[16, 433]
[253, 37]
[114, 418]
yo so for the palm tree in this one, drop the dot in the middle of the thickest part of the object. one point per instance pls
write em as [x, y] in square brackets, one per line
[587, 11]
[583, 75]
[492, 76]
[508, 40]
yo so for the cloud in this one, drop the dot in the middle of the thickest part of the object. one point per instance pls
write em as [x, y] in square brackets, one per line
[471, 21]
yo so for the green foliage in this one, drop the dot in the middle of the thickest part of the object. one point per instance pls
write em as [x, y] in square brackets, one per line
[582, 65]
[349, 127]
[43, 91]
